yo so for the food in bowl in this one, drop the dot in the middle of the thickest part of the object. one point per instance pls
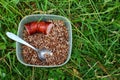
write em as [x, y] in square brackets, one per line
[56, 40]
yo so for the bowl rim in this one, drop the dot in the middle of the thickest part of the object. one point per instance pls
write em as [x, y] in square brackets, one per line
[70, 39]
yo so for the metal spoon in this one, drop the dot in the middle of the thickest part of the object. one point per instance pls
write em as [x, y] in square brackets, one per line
[41, 53]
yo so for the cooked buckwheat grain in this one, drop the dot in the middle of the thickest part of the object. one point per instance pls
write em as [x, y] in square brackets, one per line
[56, 41]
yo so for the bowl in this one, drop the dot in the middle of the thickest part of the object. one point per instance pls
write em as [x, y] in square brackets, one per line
[37, 17]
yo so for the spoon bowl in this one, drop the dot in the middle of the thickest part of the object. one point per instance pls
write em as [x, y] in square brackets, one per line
[41, 52]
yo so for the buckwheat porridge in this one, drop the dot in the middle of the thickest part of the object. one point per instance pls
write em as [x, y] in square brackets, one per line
[56, 41]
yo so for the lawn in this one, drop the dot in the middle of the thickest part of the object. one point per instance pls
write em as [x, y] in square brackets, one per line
[96, 39]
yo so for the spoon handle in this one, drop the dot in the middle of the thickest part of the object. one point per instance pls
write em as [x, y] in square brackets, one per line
[18, 39]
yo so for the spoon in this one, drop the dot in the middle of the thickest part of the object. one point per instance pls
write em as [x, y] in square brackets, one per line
[41, 52]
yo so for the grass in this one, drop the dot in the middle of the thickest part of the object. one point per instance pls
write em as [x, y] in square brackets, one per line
[96, 39]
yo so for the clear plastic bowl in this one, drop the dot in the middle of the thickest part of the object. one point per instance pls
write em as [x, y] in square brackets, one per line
[37, 17]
